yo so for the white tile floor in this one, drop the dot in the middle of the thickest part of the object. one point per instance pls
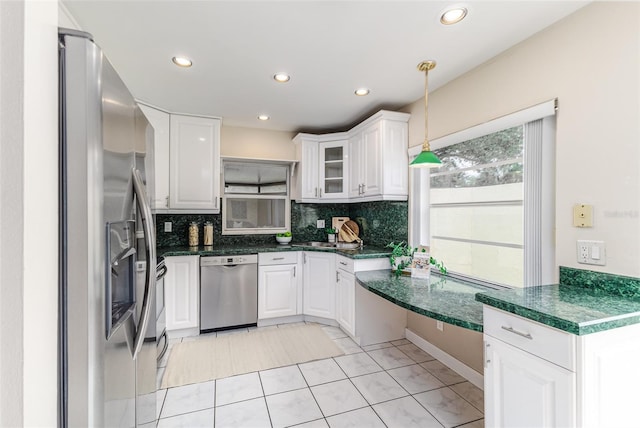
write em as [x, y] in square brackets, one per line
[392, 384]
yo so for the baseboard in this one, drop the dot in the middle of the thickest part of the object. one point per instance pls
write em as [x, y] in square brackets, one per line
[280, 320]
[185, 332]
[464, 370]
[320, 320]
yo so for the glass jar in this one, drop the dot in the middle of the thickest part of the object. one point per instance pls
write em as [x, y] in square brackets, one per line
[208, 233]
[193, 234]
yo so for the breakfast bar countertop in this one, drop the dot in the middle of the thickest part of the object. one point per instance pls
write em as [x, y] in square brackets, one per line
[577, 307]
[439, 297]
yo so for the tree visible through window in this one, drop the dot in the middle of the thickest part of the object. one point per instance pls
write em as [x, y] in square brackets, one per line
[476, 207]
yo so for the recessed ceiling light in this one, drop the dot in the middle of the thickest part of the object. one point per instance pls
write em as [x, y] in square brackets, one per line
[453, 16]
[281, 77]
[361, 92]
[181, 61]
[263, 117]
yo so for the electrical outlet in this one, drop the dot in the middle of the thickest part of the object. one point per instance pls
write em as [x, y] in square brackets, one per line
[440, 325]
[591, 252]
[320, 224]
[167, 226]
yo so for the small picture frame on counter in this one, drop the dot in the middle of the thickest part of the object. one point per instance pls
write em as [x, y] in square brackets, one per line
[420, 265]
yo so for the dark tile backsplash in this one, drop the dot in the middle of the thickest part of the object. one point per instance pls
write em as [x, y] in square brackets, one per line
[380, 223]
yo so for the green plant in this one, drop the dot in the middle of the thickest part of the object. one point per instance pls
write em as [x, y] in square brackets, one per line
[330, 231]
[283, 234]
[402, 249]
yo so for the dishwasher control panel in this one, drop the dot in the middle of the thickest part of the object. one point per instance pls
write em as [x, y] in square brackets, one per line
[229, 260]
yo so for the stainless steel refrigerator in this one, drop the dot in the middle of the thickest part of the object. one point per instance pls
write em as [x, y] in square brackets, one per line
[107, 327]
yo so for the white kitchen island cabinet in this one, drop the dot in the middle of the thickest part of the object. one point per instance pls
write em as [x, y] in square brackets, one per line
[540, 376]
[319, 284]
[182, 291]
[194, 173]
[279, 285]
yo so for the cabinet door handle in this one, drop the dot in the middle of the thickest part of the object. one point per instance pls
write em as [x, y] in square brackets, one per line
[486, 351]
[277, 258]
[519, 333]
[294, 271]
[337, 276]
[316, 192]
[166, 202]
[321, 192]
[343, 263]
[304, 259]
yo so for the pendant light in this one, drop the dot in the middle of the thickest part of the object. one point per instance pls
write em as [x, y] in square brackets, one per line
[426, 158]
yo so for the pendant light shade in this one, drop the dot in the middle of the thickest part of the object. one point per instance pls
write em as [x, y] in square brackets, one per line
[426, 158]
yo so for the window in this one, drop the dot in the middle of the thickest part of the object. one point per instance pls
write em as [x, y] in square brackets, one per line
[255, 198]
[487, 212]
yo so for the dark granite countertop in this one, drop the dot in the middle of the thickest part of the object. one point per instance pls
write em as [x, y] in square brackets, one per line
[368, 252]
[442, 298]
[575, 309]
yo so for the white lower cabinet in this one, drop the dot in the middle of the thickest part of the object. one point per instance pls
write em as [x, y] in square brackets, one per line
[182, 291]
[346, 301]
[346, 305]
[319, 284]
[538, 376]
[278, 285]
[522, 389]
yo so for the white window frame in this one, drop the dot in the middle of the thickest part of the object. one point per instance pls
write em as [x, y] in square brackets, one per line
[258, 230]
[539, 188]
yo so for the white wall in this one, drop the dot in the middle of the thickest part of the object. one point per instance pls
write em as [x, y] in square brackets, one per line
[28, 213]
[256, 143]
[590, 61]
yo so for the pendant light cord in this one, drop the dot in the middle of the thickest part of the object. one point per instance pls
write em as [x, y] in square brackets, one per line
[426, 66]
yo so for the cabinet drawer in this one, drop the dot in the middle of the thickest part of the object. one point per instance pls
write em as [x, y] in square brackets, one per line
[345, 263]
[548, 343]
[281, 258]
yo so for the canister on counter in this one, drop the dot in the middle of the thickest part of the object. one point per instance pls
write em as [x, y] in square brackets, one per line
[193, 234]
[208, 233]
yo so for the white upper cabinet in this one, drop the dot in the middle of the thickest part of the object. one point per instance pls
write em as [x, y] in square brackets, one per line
[367, 163]
[306, 183]
[161, 125]
[378, 158]
[194, 172]
[323, 168]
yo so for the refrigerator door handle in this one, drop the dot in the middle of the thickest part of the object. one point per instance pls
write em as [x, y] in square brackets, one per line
[161, 273]
[150, 274]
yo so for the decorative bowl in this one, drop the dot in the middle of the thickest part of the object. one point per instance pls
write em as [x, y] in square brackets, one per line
[283, 239]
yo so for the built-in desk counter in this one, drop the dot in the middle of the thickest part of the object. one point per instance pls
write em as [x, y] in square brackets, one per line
[439, 297]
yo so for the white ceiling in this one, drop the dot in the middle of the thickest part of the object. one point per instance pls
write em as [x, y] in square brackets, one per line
[330, 48]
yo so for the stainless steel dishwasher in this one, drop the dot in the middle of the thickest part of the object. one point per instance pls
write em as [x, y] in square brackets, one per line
[228, 292]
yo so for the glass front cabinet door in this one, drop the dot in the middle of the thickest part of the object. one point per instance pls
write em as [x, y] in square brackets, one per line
[333, 169]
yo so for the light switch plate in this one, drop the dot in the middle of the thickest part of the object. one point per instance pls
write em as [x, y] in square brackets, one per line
[320, 224]
[167, 226]
[583, 215]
